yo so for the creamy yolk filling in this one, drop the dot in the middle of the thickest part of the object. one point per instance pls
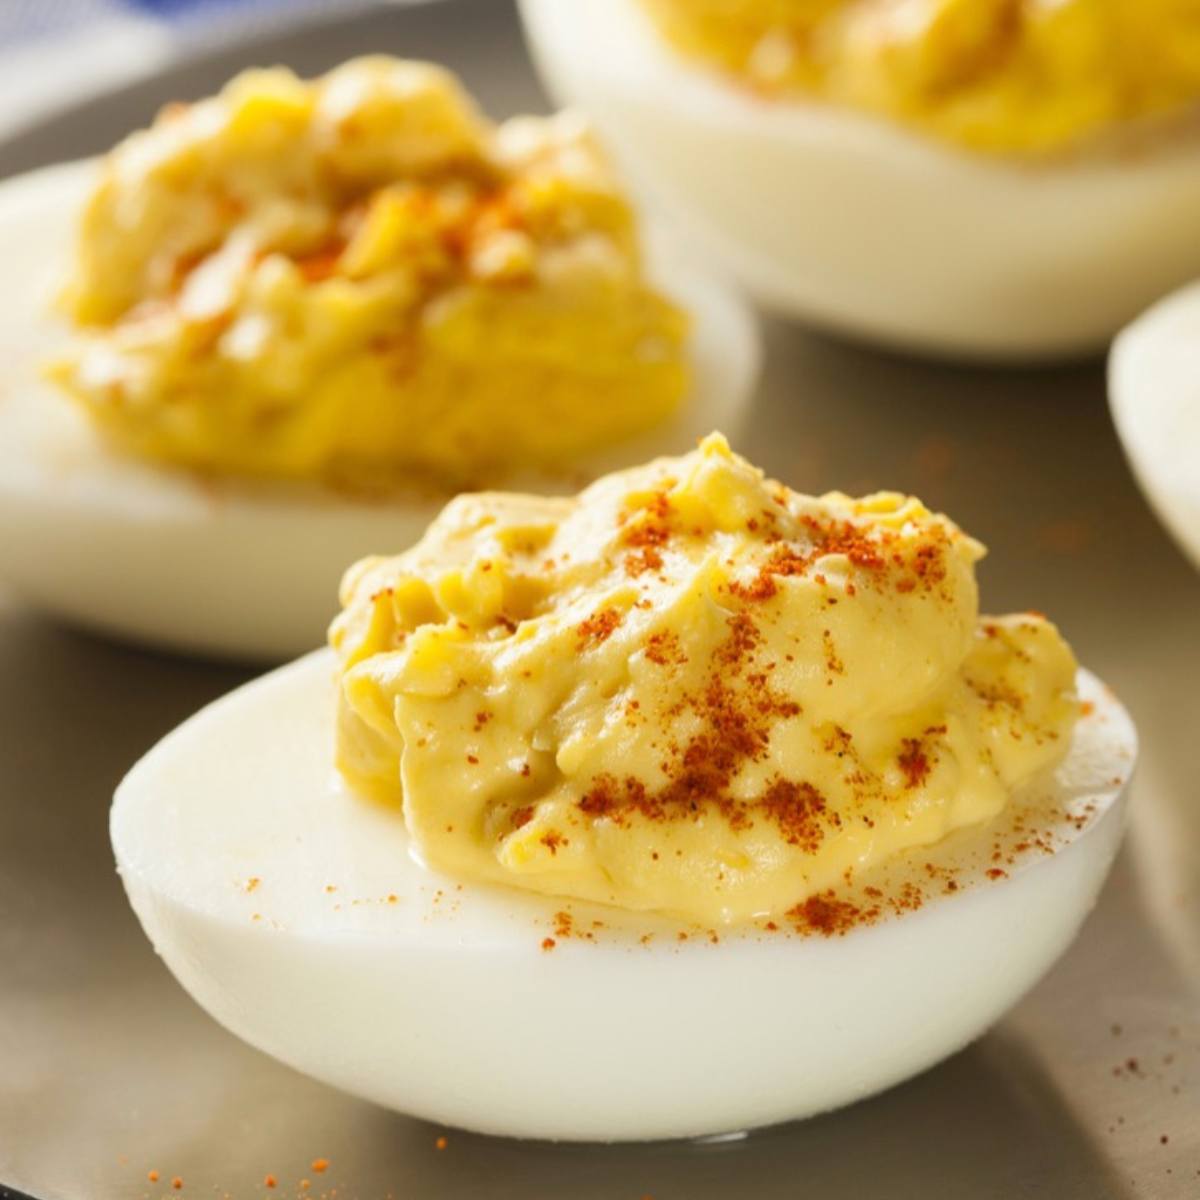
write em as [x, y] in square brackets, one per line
[1005, 76]
[689, 689]
[361, 279]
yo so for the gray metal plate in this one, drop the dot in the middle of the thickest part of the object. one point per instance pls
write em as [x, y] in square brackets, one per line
[1089, 1089]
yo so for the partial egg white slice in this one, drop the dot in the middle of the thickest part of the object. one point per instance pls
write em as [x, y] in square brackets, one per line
[295, 913]
[865, 228]
[234, 568]
[1154, 394]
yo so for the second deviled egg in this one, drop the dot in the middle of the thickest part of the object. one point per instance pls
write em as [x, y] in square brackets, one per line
[301, 315]
[985, 178]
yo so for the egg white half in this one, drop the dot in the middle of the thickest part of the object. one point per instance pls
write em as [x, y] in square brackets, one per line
[234, 568]
[295, 913]
[1154, 394]
[866, 228]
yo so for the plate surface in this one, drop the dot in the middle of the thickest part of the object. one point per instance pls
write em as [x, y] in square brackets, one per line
[1089, 1090]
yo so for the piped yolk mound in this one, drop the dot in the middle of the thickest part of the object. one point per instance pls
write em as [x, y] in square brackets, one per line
[1002, 76]
[690, 689]
[362, 280]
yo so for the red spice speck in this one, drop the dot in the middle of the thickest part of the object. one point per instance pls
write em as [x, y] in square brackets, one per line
[548, 943]
[663, 648]
[646, 559]
[321, 265]
[797, 809]
[598, 627]
[552, 839]
[826, 915]
[761, 587]
[913, 762]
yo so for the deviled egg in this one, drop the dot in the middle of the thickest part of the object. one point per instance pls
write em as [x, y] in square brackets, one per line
[682, 806]
[1154, 394]
[983, 178]
[298, 317]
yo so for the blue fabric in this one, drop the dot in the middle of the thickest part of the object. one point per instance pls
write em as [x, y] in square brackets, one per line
[172, 7]
[184, 10]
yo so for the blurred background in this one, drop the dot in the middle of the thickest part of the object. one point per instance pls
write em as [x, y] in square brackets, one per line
[56, 52]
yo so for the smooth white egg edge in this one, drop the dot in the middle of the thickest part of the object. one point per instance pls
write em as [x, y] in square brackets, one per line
[1154, 396]
[868, 228]
[233, 568]
[445, 1005]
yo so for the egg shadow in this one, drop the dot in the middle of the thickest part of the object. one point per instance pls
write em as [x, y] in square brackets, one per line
[1164, 832]
[988, 1123]
[76, 712]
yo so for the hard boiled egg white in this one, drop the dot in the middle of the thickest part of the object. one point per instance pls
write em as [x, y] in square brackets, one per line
[1154, 393]
[219, 566]
[863, 227]
[294, 912]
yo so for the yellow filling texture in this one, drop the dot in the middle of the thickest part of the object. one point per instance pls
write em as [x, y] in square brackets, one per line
[689, 689]
[1005, 76]
[361, 279]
